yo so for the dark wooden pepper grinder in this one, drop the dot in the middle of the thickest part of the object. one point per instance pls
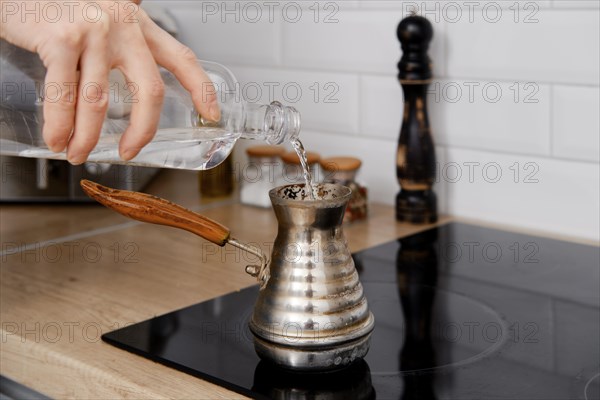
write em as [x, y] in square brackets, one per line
[415, 164]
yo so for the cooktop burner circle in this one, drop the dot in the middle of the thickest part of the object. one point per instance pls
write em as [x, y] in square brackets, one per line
[459, 328]
[590, 390]
[462, 329]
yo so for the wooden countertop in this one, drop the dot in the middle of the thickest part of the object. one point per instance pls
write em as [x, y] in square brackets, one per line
[72, 272]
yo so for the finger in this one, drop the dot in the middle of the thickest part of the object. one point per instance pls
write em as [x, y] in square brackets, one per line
[60, 97]
[147, 89]
[182, 62]
[92, 100]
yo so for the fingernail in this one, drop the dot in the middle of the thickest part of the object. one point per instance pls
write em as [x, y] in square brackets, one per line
[214, 112]
[128, 154]
[77, 159]
[58, 146]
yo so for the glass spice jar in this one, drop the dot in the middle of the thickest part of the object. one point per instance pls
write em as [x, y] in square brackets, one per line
[343, 170]
[292, 169]
[218, 181]
[261, 174]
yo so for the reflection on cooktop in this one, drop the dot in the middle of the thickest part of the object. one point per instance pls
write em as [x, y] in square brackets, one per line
[461, 312]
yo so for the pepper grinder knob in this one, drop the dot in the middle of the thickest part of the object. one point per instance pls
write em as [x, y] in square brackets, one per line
[415, 163]
[415, 34]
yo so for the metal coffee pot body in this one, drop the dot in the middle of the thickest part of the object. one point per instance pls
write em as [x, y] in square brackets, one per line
[311, 313]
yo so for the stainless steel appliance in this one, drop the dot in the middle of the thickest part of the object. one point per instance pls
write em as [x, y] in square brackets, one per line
[37, 180]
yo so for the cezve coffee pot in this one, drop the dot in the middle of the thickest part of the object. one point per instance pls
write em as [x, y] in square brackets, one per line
[311, 313]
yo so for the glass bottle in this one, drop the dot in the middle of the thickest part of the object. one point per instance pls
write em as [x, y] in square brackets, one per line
[184, 139]
[217, 182]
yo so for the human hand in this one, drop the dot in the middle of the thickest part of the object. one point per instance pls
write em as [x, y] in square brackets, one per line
[80, 47]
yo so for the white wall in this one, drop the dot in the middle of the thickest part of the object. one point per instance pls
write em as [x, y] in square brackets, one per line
[528, 128]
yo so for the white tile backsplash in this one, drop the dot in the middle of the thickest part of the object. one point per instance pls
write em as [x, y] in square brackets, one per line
[407, 7]
[591, 4]
[326, 100]
[551, 45]
[320, 9]
[499, 116]
[218, 36]
[562, 46]
[358, 42]
[380, 106]
[576, 122]
[447, 9]
[546, 194]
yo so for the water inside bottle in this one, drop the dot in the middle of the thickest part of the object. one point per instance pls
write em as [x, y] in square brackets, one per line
[181, 148]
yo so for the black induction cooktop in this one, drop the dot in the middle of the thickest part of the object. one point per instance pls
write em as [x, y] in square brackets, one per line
[462, 312]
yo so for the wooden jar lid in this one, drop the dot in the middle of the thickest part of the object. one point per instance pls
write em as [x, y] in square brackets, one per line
[292, 158]
[341, 164]
[265, 151]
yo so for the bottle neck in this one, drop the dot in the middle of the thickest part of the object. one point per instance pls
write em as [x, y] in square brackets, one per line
[273, 122]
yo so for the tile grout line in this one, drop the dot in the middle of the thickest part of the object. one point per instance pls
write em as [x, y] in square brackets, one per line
[457, 147]
[360, 101]
[446, 46]
[445, 76]
[281, 44]
[551, 122]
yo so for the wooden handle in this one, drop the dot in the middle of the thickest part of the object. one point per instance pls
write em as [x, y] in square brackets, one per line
[146, 208]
